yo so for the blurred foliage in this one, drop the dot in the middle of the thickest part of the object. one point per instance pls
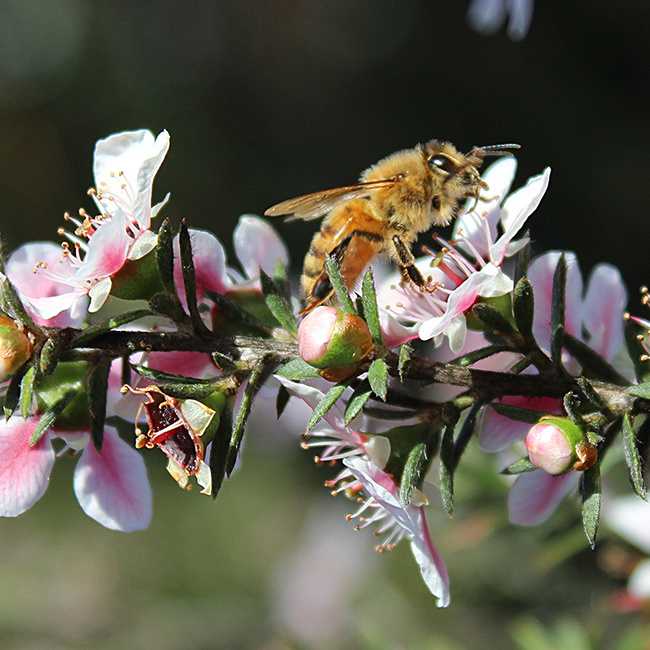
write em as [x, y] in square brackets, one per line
[267, 100]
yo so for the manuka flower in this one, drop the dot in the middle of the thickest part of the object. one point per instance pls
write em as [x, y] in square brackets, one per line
[594, 316]
[125, 165]
[469, 267]
[365, 479]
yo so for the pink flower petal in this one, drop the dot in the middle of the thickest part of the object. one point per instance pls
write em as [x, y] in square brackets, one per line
[24, 470]
[258, 245]
[534, 496]
[603, 309]
[112, 488]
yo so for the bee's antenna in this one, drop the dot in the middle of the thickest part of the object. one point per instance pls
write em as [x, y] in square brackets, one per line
[495, 149]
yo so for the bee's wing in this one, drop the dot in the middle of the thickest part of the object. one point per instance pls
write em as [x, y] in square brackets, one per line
[317, 204]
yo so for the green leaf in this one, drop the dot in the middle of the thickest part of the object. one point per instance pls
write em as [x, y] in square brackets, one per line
[640, 390]
[517, 413]
[413, 474]
[632, 458]
[49, 416]
[165, 257]
[219, 447]
[162, 377]
[358, 400]
[447, 469]
[164, 304]
[519, 467]
[256, 379]
[336, 280]
[523, 309]
[12, 396]
[482, 353]
[591, 502]
[10, 298]
[296, 370]
[405, 351]
[279, 304]
[27, 391]
[96, 392]
[189, 277]
[281, 400]
[558, 307]
[86, 335]
[49, 355]
[378, 378]
[593, 365]
[370, 311]
[325, 405]
[467, 430]
[226, 363]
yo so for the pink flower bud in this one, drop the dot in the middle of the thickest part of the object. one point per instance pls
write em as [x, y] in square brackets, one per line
[557, 445]
[335, 342]
[15, 347]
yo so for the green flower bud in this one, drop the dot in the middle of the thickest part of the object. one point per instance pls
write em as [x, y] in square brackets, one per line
[15, 347]
[137, 279]
[335, 342]
[557, 445]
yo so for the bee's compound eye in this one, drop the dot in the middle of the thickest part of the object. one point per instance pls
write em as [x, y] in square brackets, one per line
[442, 163]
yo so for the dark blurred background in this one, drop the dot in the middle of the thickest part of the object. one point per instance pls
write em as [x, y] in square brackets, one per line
[265, 100]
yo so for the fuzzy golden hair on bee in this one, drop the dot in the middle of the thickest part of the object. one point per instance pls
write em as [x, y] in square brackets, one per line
[404, 194]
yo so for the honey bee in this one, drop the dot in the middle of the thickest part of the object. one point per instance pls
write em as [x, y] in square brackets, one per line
[401, 196]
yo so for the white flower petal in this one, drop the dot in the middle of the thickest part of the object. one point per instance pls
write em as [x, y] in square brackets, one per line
[258, 245]
[24, 470]
[112, 487]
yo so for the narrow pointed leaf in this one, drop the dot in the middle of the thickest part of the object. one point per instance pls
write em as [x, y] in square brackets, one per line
[224, 362]
[219, 447]
[519, 467]
[359, 398]
[281, 400]
[165, 256]
[164, 304]
[279, 304]
[13, 304]
[466, 432]
[27, 391]
[482, 353]
[640, 390]
[338, 285]
[593, 365]
[189, 277]
[523, 309]
[235, 313]
[405, 351]
[447, 469]
[378, 378]
[591, 502]
[413, 474]
[49, 416]
[86, 335]
[256, 379]
[162, 377]
[632, 458]
[297, 369]
[96, 392]
[325, 405]
[12, 396]
[558, 308]
[517, 413]
[370, 311]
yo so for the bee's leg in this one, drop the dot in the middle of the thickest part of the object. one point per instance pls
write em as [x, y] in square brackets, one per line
[406, 264]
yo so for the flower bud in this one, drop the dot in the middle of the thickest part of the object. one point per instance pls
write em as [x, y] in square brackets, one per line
[137, 279]
[557, 445]
[335, 342]
[15, 347]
